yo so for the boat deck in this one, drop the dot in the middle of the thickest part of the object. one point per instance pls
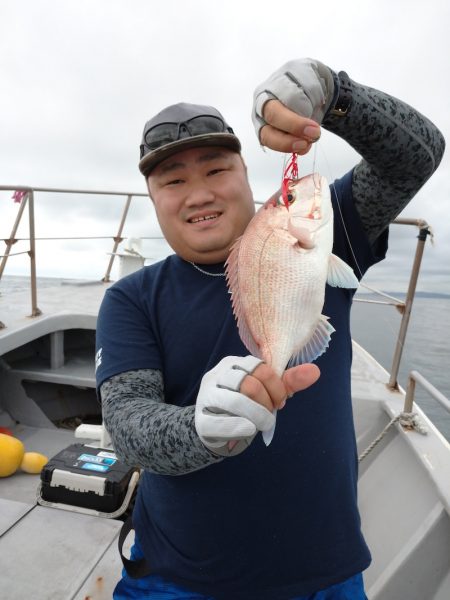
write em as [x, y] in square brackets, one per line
[403, 492]
[404, 483]
[79, 551]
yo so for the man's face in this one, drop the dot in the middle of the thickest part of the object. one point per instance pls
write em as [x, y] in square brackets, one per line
[203, 202]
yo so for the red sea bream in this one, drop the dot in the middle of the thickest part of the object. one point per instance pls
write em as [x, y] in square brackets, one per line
[277, 272]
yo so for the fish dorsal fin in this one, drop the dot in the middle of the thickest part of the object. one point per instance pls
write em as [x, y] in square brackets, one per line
[316, 345]
[340, 274]
[232, 277]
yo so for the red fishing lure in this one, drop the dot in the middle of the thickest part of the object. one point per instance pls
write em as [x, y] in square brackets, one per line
[290, 174]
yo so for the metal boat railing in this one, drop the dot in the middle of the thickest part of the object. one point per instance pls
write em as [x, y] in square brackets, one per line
[26, 195]
[415, 377]
[404, 306]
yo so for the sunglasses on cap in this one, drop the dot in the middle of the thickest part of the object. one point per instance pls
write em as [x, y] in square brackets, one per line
[166, 133]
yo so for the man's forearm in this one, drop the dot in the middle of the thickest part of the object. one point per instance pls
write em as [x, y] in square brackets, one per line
[148, 433]
[400, 147]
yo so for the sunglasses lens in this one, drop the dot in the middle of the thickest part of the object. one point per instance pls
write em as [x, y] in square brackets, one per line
[205, 124]
[160, 135]
[165, 133]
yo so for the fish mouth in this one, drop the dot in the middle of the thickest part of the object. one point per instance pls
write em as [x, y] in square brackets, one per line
[205, 217]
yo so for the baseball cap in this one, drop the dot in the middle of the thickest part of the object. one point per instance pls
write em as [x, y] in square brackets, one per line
[180, 127]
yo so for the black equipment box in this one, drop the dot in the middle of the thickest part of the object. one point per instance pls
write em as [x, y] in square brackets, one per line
[86, 476]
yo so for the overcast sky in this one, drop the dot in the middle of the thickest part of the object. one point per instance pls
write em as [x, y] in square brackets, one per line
[80, 78]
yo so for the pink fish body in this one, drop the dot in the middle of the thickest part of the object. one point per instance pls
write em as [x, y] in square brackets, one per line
[277, 273]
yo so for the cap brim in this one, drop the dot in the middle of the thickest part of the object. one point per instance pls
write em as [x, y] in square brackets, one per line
[150, 160]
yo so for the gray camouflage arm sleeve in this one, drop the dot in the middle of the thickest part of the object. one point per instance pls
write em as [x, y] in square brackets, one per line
[148, 433]
[400, 147]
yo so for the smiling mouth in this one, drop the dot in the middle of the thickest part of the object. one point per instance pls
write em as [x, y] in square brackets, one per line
[205, 218]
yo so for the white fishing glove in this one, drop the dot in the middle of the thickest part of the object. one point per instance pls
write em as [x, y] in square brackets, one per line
[305, 86]
[227, 421]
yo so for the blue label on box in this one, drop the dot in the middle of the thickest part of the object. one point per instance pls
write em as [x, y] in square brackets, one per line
[100, 460]
[94, 467]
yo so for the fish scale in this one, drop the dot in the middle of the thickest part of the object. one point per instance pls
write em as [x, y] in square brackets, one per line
[277, 272]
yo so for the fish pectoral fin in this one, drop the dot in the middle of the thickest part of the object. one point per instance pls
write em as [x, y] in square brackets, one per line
[316, 345]
[340, 274]
[268, 435]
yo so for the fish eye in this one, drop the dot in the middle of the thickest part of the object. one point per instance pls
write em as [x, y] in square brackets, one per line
[290, 198]
[291, 195]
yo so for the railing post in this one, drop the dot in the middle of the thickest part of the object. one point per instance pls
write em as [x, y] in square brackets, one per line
[416, 377]
[35, 312]
[424, 231]
[117, 239]
[9, 242]
[410, 391]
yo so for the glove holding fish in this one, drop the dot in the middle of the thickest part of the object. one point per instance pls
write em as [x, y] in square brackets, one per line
[227, 420]
[277, 272]
[236, 400]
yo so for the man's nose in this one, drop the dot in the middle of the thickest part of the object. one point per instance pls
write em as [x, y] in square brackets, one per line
[200, 194]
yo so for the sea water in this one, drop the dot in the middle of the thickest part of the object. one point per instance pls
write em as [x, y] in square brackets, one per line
[426, 347]
[376, 327]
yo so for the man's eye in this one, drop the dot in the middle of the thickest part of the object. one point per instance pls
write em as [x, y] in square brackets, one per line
[215, 171]
[174, 182]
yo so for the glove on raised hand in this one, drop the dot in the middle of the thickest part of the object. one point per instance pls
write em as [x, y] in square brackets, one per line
[305, 86]
[227, 421]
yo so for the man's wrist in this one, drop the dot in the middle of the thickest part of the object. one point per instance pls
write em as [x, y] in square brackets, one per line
[343, 95]
[228, 448]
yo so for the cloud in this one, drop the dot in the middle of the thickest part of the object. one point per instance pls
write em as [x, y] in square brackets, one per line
[80, 79]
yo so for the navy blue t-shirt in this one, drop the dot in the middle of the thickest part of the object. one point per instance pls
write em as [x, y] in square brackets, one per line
[273, 522]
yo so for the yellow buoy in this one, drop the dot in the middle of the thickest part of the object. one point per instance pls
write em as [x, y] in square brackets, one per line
[33, 462]
[11, 454]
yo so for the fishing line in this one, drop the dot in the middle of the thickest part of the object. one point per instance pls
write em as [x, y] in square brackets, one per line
[283, 167]
[385, 320]
[338, 202]
[287, 170]
[331, 178]
[315, 173]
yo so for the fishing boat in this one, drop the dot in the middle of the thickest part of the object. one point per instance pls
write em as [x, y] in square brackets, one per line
[58, 549]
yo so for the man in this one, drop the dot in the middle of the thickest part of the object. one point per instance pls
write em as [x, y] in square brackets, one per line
[218, 514]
